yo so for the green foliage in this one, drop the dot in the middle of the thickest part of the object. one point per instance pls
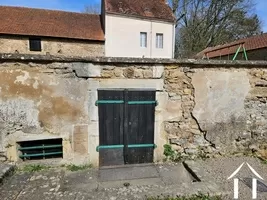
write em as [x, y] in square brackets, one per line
[170, 154]
[210, 23]
[74, 168]
[193, 197]
[264, 162]
[34, 168]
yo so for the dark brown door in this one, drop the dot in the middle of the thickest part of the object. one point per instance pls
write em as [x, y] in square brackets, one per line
[126, 126]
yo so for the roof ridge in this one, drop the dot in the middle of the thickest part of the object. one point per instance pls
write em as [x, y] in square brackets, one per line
[225, 45]
[50, 23]
[158, 11]
[50, 10]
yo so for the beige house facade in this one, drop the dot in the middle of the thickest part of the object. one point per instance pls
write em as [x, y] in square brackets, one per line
[141, 28]
[124, 37]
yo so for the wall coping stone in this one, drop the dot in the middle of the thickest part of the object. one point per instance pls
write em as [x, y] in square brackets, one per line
[120, 60]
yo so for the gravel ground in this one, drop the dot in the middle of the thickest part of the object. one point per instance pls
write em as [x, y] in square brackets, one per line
[5, 171]
[58, 183]
[218, 170]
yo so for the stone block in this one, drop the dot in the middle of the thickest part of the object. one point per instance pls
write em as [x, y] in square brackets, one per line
[173, 111]
[92, 108]
[162, 98]
[87, 70]
[148, 73]
[93, 129]
[80, 139]
[127, 83]
[169, 110]
[160, 140]
[94, 155]
[258, 92]
[93, 84]
[158, 71]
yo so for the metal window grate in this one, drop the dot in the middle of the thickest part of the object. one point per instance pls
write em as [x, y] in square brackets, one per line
[40, 149]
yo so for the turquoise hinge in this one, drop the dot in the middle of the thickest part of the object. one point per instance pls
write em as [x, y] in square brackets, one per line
[108, 102]
[129, 102]
[122, 146]
[142, 102]
[109, 147]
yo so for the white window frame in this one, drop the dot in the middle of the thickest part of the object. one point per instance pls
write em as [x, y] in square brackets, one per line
[143, 39]
[159, 40]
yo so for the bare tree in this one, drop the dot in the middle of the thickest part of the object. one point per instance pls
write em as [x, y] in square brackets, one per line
[204, 23]
[93, 8]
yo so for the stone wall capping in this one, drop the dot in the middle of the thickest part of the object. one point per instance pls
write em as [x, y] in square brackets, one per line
[188, 62]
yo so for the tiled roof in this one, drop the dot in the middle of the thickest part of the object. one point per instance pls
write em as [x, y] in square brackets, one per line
[50, 23]
[151, 9]
[250, 43]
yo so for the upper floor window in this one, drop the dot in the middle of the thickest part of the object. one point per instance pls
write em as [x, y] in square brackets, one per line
[143, 39]
[35, 44]
[159, 40]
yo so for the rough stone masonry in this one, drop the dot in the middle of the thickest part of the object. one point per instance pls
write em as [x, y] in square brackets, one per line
[204, 107]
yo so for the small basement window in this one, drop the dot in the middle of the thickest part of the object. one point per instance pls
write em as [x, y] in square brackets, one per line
[40, 149]
[35, 44]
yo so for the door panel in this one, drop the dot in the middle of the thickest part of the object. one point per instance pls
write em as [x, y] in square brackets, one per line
[141, 126]
[129, 124]
[110, 128]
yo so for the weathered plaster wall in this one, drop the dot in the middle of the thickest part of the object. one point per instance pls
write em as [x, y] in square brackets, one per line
[58, 47]
[211, 108]
[219, 108]
[35, 102]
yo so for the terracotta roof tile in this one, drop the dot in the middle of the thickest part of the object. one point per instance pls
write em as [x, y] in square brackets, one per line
[250, 43]
[151, 9]
[50, 23]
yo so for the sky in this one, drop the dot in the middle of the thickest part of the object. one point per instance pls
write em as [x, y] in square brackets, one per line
[67, 5]
[78, 6]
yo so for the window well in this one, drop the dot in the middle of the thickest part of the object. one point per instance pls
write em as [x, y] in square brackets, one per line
[40, 149]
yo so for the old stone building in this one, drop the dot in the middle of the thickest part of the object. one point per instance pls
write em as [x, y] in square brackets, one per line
[37, 31]
[251, 48]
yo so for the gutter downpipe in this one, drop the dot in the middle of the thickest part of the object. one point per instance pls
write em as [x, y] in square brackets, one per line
[151, 36]
[173, 40]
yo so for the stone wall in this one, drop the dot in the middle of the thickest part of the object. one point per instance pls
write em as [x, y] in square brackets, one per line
[205, 108]
[52, 46]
